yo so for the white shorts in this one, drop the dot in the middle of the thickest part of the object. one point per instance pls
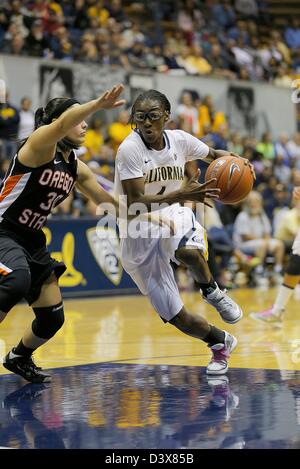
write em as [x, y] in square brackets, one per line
[296, 244]
[147, 260]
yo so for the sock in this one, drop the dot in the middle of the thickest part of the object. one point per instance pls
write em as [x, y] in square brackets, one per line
[20, 349]
[215, 336]
[278, 268]
[208, 288]
[283, 296]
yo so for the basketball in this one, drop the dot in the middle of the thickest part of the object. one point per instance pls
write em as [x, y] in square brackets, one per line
[234, 178]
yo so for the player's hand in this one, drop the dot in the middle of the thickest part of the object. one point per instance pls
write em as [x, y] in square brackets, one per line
[247, 163]
[110, 99]
[296, 193]
[197, 192]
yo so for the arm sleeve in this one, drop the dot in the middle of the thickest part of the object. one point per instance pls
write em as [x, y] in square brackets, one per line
[193, 148]
[129, 163]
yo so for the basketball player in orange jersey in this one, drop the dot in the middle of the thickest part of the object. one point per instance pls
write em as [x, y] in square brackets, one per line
[41, 175]
[274, 314]
[150, 170]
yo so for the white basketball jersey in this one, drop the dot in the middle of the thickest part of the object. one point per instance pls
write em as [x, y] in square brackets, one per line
[163, 170]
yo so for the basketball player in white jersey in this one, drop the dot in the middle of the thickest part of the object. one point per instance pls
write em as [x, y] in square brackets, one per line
[150, 170]
[274, 314]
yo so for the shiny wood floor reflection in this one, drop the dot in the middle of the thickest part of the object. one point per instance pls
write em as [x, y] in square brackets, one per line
[127, 330]
[121, 378]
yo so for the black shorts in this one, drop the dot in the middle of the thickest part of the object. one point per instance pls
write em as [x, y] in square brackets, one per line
[28, 251]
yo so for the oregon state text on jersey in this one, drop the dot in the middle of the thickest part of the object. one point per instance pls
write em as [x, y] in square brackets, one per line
[27, 195]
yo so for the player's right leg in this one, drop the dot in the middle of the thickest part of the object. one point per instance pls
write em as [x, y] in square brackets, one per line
[195, 261]
[220, 342]
[156, 280]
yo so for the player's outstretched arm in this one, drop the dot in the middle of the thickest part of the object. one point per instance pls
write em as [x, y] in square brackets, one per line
[41, 144]
[134, 189]
[88, 185]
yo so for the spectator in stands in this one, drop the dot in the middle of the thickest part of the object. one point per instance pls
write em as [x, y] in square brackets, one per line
[103, 163]
[235, 144]
[187, 113]
[170, 59]
[36, 41]
[175, 41]
[282, 77]
[293, 147]
[281, 171]
[209, 117]
[88, 51]
[137, 56]
[189, 19]
[277, 42]
[80, 16]
[116, 10]
[26, 123]
[220, 137]
[131, 35]
[16, 46]
[219, 62]
[61, 45]
[292, 34]
[223, 14]
[198, 62]
[252, 232]
[119, 130]
[288, 226]
[266, 146]
[4, 164]
[9, 121]
[93, 139]
[281, 148]
[155, 59]
[99, 11]
[246, 8]
[223, 245]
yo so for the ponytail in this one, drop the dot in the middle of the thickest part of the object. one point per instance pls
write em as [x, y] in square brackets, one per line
[38, 117]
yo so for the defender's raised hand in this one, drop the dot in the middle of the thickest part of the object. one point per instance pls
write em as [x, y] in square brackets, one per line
[109, 99]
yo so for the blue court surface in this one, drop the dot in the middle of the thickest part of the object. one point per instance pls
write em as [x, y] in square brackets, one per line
[137, 406]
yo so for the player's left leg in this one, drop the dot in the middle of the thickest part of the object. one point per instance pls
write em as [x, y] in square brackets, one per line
[49, 318]
[274, 314]
[194, 260]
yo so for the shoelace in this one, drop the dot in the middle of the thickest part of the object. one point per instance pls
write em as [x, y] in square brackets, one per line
[219, 356]
[29, 363]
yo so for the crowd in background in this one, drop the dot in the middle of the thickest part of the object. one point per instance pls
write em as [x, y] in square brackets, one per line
[228, 38]
[238, 247]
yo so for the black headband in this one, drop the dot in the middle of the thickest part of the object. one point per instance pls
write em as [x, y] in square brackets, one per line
[60, 109]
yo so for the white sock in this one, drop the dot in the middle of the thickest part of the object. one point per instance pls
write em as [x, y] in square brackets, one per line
[283, 297]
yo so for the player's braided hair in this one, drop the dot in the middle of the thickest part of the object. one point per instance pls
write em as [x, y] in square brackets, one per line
[150, 94]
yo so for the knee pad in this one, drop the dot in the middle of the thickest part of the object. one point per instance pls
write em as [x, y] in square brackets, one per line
[48, 320]
[13, 287]
[293, 267]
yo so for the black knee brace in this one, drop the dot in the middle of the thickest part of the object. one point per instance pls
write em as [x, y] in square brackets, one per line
[48, 320]
[13, 287]
[293, 267]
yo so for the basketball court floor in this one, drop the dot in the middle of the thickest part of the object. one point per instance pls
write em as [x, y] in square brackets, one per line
[123, 379]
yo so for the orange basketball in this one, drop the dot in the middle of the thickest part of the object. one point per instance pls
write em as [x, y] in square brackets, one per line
[234, 178]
